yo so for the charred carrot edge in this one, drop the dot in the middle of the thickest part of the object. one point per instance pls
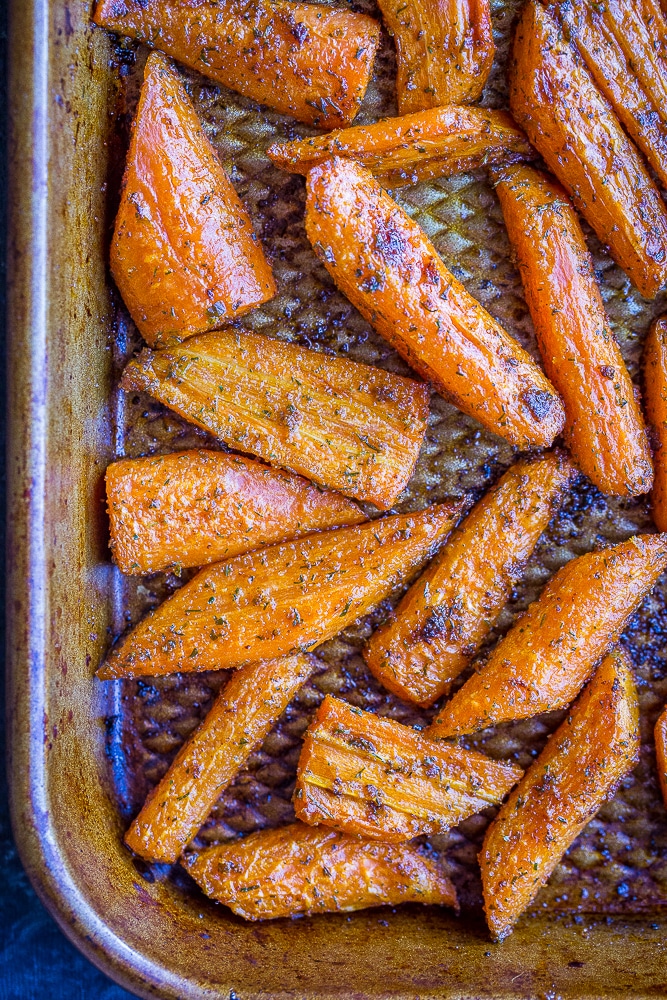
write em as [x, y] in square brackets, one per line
[391, 272]
[301, 59]
[585, 759]
[438, 142]
[604, 427]
[300, 869]
[281, 599]
[439, 624]
[549, 654]
[661, 752]
[192, 508]
[366, 775]
[174, 184]
[242, 715]
[655, 401]
[344, 425]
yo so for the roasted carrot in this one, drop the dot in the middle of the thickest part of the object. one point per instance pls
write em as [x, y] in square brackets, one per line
[301, 869]
[554, 98]
[242, 715]
[440, 623]
[438, 142]
[583, 762]
[281, 599]
[391, 272]
[444, 50]
[549, 654]
[604, 427]
[345, 425]
[661, 752]
[183, 253]
[363, 774]
[191, 508]
[655, 398]
[303, 59]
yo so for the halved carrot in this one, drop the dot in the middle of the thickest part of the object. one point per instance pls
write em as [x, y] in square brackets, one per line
[554, 98]
[242, 715]
[191, 508]
[438, 142]
[281, 599]
[604, 427]
[440, 623]
[655, 399]
[183, 254]
[304, 59]
[583, 762]
[661, 752]
[345, 425]
[363, 774]
[391, 272]
[301, 869]
[549, 654]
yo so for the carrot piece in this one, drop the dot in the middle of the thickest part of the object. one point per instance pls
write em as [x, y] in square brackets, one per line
[604, 427]
[345, 425]
[442, 620]
[438, 142]
[300, 869]
[583, 762]
[655, 398]
[549, 654]
[391, 272]
[366, 775]
[553, 97]
[444, 50]
[192, 508]
[661, 751]
[183, 253]
[303, 59]
[241, 716]
[281, 599]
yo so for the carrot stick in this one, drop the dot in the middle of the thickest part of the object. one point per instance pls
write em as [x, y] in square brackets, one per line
[366, 775]
[604, 428]
[345, 425]
[581, 765]
[242, 715]
[390, 271]
[281, 599]
[549, 654]
[440, 623]
[300, 869]
[655, 397]
[661, 752]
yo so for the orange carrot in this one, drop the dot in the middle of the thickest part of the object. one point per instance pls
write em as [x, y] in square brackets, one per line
[655, 395]
[661, 752]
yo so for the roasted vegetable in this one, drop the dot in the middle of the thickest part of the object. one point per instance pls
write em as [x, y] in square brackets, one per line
[391, 272]
[280, 599]
[183, 253]
[345, 425]
[661, 752]
[242, 715]
[438, 142]
[655, 397]
[583, 762]
[549, 654]
[301, 869]
[303, 59]
[191, 508]
[443, 618]
[363, 774]
[604, 428]
[554, 98]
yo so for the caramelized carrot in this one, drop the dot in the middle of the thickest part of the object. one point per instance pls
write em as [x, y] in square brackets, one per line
[548, 655]
[345, 425]
[301, 869]
[604, 428]
[655, 397]
[183, 253]
[192, 508]
[661, 752]
[242, 715]
[303, 59]
[281, 599]
[363, 774]
[391, 272]
[554, 98]
[439, 624]
[583, 762]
